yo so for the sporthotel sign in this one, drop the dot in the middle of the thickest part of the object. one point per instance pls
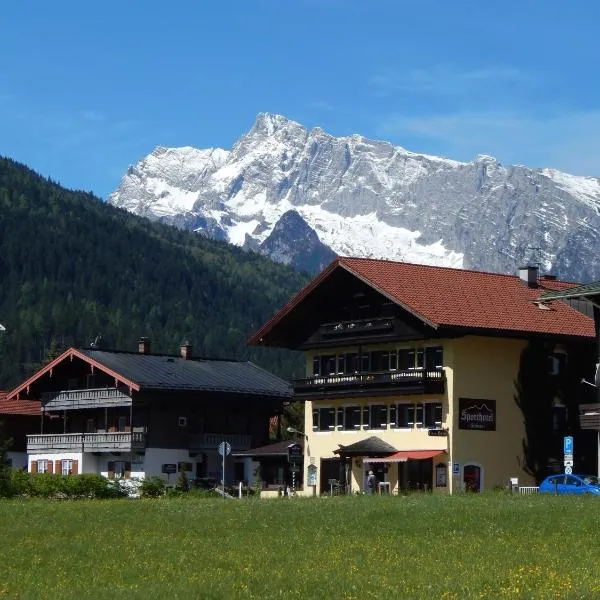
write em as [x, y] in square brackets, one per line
[478, 414]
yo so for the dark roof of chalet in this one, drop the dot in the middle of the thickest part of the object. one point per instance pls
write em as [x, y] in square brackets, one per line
[18, 407]
[453, 298]
[173, 373]
[275, 449]
[372, 446]
[580, 291]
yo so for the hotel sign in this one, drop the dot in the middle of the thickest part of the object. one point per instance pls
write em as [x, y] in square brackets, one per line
[477, 414]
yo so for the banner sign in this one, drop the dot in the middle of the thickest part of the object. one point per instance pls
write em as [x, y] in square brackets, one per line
[477, 414]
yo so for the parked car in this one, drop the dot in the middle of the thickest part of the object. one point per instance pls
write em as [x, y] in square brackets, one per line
[570, 484]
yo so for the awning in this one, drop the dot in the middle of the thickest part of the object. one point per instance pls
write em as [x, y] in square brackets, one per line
[405, 455]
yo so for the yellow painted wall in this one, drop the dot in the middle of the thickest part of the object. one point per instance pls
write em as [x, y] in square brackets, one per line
[487, 368]
[475, 367]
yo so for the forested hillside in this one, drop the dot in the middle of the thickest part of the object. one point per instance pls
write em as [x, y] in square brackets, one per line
[73, 268]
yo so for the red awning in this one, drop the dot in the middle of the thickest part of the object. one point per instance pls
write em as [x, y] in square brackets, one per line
[404, 455]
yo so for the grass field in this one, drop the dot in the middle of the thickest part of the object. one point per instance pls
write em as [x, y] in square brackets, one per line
[420, 546]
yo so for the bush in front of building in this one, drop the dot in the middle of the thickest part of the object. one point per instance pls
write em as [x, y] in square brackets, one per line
[20, 483]
[153, 487]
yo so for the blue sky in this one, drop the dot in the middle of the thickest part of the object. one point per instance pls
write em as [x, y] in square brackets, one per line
[87, 88]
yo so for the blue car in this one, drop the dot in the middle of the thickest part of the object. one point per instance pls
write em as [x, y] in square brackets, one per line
[570, 484]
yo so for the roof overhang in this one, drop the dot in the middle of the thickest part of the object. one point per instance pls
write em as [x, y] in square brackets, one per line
[69, 354]
[259, 338]
[590, 291]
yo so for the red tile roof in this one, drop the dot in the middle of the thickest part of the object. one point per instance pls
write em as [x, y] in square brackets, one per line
[442, 296]
[18, 407]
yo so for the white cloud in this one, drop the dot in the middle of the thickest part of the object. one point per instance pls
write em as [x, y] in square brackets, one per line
[447, 79]
[566, 141]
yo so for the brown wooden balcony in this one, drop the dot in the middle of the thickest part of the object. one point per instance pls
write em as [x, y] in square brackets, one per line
[87, 398]
[86, 442]
[411, 381]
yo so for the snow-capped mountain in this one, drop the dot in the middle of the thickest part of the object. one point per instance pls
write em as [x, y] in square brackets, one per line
[362, 197]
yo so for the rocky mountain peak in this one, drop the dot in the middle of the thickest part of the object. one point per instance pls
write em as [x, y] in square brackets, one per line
[365, 197]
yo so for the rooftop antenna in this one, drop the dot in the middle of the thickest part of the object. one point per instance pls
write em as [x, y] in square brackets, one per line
[96, 341]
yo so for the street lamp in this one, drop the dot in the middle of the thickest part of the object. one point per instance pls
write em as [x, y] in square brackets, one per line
[294, 430]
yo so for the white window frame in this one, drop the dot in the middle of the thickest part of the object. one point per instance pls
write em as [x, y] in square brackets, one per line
[66, 466]
[42, 465]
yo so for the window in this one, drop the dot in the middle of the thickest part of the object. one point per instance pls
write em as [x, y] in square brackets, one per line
[67, 467]
[119, 468]
[90, 380]
[341, 364]
[384, 360]
[324, 419]
[42, 466]
[328, 365]
[557, 362]
[352, 363]
[122, 423]
[434, 357]
[420, 356]
[433, 414]
[365, 362]
[405, 416]
[90, 426]
[419, 415]
[351, 417]
[378, 416]
[182, 421]
[316, 366]
[406, 359]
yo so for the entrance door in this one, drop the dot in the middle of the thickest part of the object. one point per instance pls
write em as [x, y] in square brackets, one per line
[472, 479]
[330, 473]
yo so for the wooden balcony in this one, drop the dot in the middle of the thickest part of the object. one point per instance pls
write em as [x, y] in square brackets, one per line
[86, 442]
[89, 398]
[204, 442]
[412, 381]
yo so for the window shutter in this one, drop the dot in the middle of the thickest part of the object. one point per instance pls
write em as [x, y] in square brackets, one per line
[127, 470]
[57, 467]
[34, 468]
[75, 467]
[49, 466]
[111, 470]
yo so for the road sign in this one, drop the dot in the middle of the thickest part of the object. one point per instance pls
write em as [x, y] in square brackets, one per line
[568, 470]
[224, 448]
[568, 463]
[568, 444]
[295, 452]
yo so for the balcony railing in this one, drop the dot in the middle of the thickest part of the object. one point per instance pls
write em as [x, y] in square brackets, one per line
[209, 441]
[86, 442]
[89, 398]
[411, 381]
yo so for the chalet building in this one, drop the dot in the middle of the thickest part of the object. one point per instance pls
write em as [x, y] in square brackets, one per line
[17, 418]
[411, 372]
[136, 414]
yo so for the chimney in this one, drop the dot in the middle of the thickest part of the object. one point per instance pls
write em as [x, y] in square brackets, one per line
[186, 350]
[529, 275]
[144, 345]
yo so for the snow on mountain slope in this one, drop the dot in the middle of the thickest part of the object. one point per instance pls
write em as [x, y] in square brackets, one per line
[369, 198]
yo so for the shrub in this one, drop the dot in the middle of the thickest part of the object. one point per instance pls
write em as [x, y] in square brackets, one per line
[20, 482]
[153, 487]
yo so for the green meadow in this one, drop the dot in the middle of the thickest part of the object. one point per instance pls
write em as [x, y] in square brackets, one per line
[420, 546]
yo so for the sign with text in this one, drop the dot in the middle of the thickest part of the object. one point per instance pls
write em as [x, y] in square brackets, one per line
[295, 453]
[169, 468]
[477, 414]
[568, 445]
